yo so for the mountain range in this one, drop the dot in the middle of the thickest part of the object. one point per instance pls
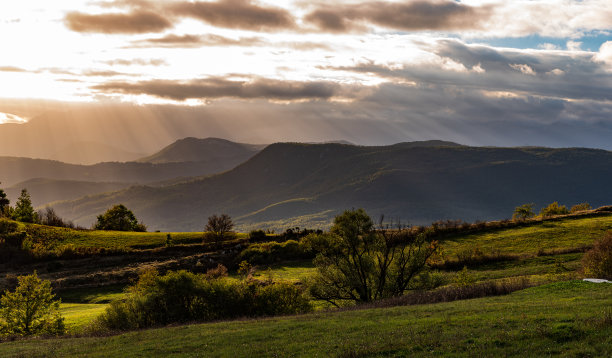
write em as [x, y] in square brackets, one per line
[289, 184]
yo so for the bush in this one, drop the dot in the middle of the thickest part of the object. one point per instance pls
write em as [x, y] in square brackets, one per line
[597, 262]
[182, 296]
[271, 252]
[580, 207]
[257, 236]
[7, 227]
[554, 209]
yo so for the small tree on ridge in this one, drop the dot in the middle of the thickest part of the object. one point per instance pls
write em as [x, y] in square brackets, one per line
[219, 226]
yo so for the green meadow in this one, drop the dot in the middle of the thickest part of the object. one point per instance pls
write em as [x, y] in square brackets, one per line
[567, 318]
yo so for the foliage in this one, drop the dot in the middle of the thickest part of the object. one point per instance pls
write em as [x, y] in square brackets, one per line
[245, 269]
[464, 278]
[50, 218]
[580, 207]
[181, 296]
[30, 309]
[24, 211]
[119, 218]
[270, 252]
[597, 262]
[257, 236]
[356, 262]
[523, 212]
[219, 226]
[553, 209]
[4, 203]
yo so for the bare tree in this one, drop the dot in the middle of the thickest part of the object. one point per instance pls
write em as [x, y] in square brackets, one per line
[219, 226]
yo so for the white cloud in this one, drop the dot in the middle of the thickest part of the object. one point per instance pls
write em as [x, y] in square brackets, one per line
[525, 69]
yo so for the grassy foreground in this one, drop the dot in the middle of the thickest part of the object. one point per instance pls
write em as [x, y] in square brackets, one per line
[568, 318]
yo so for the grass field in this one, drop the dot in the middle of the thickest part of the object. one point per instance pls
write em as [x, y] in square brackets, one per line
[568, 318]
[53, 236]
[554, 234]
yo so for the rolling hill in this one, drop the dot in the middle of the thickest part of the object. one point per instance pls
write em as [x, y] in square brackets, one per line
[44, 191]
[289, 184]
[184, 158]
[194, 149]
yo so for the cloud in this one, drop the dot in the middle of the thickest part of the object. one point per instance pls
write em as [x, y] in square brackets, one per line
[137, 61]
[216, 87]
[605, 54]
[194, 41]
[235, 14]
[409, 16]
[11, 69]
[117, 23]
[554, 74]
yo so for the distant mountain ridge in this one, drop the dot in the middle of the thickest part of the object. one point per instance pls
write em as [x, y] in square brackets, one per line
[184, 158]
[291, 183]
[192, 149]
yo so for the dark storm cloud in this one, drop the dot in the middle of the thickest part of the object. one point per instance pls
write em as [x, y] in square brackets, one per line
[235, 14]
[136, 22]
[538, 73]
[410, 16]
[211, 88]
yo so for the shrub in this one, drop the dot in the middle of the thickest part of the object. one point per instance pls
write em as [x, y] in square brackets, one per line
[554, 209]
[464, 278]
[580, 207]
[7, 227]
[257, 236]
[182, 296]
[597, 262]
[31, 309]
[271, 252]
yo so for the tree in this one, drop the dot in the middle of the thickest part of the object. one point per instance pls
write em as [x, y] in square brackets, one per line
[553, 209]
[219, 226]
[580, 207]
[31, 309]
[359, 263]
[523, 212]
[4, 203]
[119, 218]
[24, 211]
[49, 217]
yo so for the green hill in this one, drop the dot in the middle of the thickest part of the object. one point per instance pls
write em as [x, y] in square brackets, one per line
[289, 184]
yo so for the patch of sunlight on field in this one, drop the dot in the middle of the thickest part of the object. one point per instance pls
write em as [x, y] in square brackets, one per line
[78, 315]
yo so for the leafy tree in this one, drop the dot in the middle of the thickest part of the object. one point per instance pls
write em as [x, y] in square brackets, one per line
[523, 212]
[359, 263]
[119, 218]
[219, 226]
[4, 203]
[31, 309]
[580, 207]
[24, 211]
[597, 262]
[554, 209]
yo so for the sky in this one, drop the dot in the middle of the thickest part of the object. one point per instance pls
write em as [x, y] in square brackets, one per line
[502, 73]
